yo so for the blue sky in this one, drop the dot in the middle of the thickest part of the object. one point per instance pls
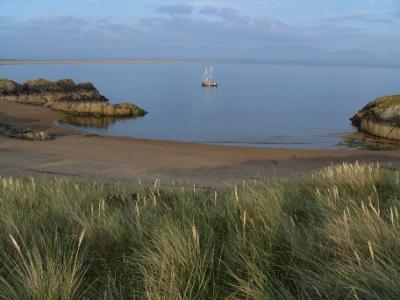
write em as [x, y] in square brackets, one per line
[251, 29]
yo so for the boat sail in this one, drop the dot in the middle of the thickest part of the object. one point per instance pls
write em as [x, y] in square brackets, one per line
[207, 79]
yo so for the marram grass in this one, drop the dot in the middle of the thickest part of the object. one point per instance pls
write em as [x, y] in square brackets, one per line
[333, 236]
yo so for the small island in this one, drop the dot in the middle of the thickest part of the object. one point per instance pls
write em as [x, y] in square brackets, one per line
[66, 96]
[380, 118]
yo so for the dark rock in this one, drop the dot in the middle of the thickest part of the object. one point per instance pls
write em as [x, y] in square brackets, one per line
[38, 86]
[65, 85]
[9, 87]
[24, 133]
[86, 86]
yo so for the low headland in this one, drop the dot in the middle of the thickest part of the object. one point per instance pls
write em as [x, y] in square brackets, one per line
[79, 100]
[64, 95]
[380, 117]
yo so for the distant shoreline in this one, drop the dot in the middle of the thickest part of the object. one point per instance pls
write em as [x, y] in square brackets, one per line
[94, 62]
[188, 61]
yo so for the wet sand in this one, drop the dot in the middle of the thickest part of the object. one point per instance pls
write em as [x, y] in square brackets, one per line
[75, 154]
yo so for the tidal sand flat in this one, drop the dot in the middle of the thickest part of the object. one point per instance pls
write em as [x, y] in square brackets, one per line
[78, 155]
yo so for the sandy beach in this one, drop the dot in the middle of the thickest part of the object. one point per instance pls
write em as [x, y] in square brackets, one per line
[75, 154]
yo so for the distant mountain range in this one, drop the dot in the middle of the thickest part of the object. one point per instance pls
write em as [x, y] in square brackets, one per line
[311, 55]
[295, 55]
[5, 59]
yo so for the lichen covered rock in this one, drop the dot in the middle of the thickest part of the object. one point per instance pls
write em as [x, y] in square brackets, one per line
[380, 117]
[65, 95]
[8, 87]
[24, 133]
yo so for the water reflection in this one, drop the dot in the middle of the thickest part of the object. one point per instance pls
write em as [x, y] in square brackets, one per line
[209, 98]
[89, 122]
[363, 141]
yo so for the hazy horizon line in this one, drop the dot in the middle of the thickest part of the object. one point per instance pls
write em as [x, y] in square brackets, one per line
[11, 61]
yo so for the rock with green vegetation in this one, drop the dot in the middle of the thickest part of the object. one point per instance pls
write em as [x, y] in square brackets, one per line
[24, 133]
[97, 109]
[380, 117]
[65, 95]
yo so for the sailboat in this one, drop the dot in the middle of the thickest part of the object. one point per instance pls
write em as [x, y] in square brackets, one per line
[207, 80]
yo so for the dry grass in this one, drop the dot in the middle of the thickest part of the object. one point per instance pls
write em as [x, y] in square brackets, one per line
[333, 236]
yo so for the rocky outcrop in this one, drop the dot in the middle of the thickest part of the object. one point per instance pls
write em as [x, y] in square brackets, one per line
[24, 133]
[64, 95]
[380, 117]
[43, 92]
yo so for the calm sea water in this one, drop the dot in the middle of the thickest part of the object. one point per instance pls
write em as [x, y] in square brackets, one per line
[254, 105]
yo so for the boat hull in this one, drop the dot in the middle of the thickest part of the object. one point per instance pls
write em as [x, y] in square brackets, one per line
[209, 84]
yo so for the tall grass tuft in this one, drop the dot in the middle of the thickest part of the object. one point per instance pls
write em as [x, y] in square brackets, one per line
[47, 268]
[335, 235]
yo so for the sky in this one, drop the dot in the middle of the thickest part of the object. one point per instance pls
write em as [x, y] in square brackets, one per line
[291, 30]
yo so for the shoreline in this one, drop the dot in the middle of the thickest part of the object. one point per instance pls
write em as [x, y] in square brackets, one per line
[10, 62]
[94, 62]
[75, 154]
[230, 144]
